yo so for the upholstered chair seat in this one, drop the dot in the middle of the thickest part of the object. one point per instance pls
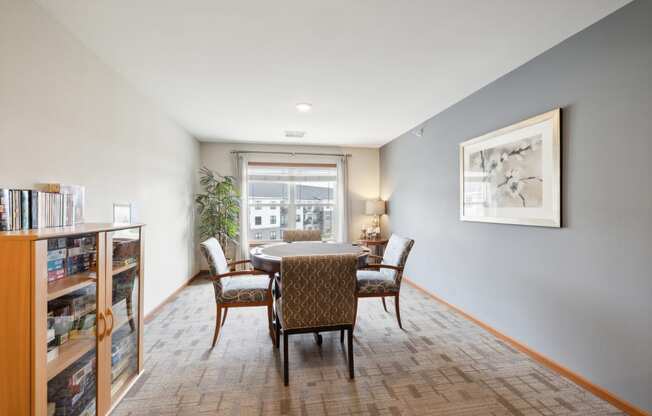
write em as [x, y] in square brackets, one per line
[374, 282]
[384, 279]
[234, 289]
[244, 288]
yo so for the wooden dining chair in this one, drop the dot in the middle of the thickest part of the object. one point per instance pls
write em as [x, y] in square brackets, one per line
[317, 295]
[235, 289]
[301, 235]
[384, 279]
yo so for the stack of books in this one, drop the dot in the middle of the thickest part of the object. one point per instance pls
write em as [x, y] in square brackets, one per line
[56, 259]
[72, 392]
[81, 254]
[23, 209]
[70, 256]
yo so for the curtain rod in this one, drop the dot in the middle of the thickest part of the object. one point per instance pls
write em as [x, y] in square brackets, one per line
[291, 153]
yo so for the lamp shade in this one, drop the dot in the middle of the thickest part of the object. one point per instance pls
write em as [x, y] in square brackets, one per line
[375, 207]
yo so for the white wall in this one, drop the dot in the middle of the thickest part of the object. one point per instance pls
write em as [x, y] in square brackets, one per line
[363, 171]
[65, 116]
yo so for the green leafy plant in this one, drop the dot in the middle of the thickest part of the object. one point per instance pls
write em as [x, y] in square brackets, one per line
[219, 208]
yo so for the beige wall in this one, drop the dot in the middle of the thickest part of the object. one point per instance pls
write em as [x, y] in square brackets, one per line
[363, 171]
[65, 116]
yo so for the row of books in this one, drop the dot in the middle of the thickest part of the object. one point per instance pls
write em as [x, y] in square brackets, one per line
[68, 256]
[23, 209]
[73, 391]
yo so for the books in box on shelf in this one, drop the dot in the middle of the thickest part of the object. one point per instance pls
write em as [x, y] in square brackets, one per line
[53, 351]
[55, 264]
[56, 254]
[89, 410]
[56, 260]
[55, 275]
[50, 322]
[74, 389]
[57, 244]
[61, 338]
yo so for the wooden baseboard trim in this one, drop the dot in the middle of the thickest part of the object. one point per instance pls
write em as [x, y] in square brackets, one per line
[152, 314]
[598, 391]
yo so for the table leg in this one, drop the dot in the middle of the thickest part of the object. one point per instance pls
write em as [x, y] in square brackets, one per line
[318, 338]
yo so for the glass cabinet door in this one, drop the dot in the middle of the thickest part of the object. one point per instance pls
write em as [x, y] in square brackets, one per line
[72, 305]
[123, 292]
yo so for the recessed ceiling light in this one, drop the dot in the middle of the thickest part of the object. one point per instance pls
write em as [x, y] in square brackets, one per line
[304, 107]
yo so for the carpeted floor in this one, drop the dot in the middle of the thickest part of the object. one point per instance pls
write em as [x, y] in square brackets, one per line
[441, 364]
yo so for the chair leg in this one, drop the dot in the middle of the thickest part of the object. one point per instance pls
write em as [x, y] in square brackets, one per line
[355, 314]
[286, 367]
[226, 310]
[278, 334]
[218, 320]
[270, 324]
[350, 351]
[384, 304]
[398, 311]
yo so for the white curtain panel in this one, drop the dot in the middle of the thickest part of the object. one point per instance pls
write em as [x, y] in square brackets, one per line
[241, 162]
[343, 211]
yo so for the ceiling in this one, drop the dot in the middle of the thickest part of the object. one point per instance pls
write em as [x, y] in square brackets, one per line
[233, 70]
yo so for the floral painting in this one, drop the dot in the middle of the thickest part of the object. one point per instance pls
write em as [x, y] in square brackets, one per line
[512, 175]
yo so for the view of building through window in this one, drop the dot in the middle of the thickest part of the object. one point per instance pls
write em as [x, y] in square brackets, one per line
[291, 197]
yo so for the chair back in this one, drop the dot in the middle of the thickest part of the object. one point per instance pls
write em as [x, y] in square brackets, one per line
[217, 264]
[301, 235]
[396, 254]
[318, 291]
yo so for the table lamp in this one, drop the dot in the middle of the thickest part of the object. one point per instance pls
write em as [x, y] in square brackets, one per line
[376, 208]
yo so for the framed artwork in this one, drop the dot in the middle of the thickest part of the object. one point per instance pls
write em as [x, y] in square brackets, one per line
[512, 175]
[122, 214]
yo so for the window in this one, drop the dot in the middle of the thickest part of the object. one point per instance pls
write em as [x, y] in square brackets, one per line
[258, 236]
[303, 196]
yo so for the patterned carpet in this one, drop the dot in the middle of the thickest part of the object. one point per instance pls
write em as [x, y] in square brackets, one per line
[441, 364]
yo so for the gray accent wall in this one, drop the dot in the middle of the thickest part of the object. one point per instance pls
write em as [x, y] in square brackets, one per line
[582, 294]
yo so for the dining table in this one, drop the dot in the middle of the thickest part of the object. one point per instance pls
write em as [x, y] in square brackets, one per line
[267, 258]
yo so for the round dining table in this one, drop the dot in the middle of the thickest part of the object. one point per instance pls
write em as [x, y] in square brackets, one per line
[268, 258]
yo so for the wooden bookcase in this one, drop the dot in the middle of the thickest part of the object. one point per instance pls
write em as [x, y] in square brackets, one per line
[74, 344]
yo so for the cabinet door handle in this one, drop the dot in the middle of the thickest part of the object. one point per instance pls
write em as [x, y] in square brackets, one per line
[101, 318]
[109, 312]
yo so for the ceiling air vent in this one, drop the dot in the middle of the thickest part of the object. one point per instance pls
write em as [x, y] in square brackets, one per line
[295, 134]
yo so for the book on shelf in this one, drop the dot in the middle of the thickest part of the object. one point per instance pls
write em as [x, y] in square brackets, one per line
[6, 222]
[55, 206]
[77, 194]
[53, 351]
[24, 210]
[73, 390]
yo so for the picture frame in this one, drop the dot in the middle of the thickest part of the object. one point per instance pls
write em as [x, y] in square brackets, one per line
[513, 175]
[122, 214]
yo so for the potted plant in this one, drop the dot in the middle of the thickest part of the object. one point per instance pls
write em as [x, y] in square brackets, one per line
[219, 208]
